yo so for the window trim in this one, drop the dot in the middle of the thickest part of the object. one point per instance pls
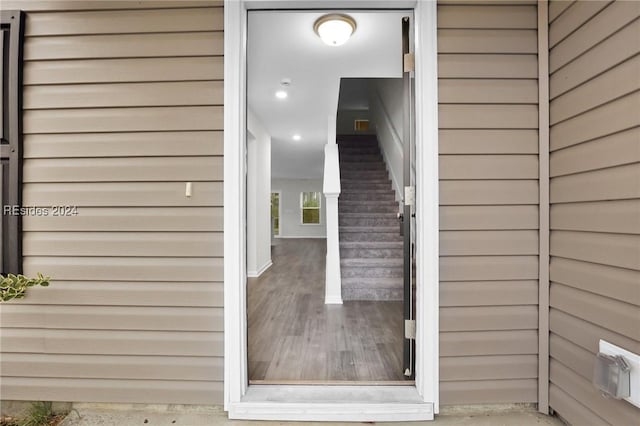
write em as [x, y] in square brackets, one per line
[14, 20]
[319, 208]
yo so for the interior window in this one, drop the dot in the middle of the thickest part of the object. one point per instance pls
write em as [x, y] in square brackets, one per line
[310, 206]
[275, 213]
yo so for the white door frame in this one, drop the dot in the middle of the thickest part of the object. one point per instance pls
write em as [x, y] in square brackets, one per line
[360, 403]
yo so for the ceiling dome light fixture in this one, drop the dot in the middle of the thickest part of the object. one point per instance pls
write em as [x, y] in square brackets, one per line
[281, 94]
[297, 137]
[335, 29]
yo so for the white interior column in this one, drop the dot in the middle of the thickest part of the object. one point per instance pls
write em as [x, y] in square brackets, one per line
[333, 286]
[258, 197]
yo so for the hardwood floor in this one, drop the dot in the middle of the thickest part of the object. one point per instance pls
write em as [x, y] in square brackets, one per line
[294, 336]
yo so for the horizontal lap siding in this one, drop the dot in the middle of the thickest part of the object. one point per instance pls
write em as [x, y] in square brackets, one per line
[122, 106]
[78, 5]
[595, 200]
[488, 113]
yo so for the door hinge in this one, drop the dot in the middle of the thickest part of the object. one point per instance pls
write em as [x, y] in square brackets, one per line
[409, 62]
[409, 329]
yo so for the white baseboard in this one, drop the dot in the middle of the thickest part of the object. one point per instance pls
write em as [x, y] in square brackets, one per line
[256, 274]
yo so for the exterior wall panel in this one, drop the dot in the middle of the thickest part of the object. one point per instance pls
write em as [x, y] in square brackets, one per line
[488, 66]
[488, 113]
[140, 111]
[122, 105]
[591, 32]
[125, 70]
[602, 55]
[126, 21]
[123, 46]
[595, 201]
[113, 342]
[618, 149]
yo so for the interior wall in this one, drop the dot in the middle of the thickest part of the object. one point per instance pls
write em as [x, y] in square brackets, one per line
[290, 213]
[258, 196]
[595, 200]
[385, 100]
[488, 166]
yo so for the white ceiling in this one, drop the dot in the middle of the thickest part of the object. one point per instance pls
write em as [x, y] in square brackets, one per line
[282, 44]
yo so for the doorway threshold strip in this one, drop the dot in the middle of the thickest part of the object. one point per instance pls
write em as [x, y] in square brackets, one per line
[332, 403]
[335, 382]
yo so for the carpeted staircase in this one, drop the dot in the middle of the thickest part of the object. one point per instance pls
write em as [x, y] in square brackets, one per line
[371, 256]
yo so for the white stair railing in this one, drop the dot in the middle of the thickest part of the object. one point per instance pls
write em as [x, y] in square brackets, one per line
[331, 189]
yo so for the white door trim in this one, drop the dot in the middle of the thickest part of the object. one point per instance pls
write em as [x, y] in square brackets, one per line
[427, 204]
[315, 403]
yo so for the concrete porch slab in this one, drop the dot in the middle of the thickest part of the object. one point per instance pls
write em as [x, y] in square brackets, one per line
[99, 415]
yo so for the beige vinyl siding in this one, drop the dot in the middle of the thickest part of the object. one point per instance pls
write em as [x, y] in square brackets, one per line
[557, 8]
[595, 201]
[124, 70]
[122, 106]
[82, 5]
[488, 120]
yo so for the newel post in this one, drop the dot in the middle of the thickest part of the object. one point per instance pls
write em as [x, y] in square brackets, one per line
[331, 189]
[333, 286]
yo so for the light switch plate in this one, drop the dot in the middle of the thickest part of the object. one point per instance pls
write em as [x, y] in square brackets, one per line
[634, 361]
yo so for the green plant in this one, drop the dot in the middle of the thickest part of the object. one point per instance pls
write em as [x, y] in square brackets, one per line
[14, 286]
[39, 414]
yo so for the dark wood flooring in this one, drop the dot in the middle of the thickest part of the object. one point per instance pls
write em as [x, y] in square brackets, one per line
[294, 337]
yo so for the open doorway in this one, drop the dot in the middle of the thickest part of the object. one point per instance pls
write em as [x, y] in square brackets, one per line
[330, 402]
[296, 85]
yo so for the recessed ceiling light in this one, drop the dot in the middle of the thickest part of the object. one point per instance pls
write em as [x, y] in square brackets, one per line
[334, 29]
[297, 137]
[281, 94]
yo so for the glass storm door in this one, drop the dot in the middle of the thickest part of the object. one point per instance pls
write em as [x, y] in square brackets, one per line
[408, 212]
